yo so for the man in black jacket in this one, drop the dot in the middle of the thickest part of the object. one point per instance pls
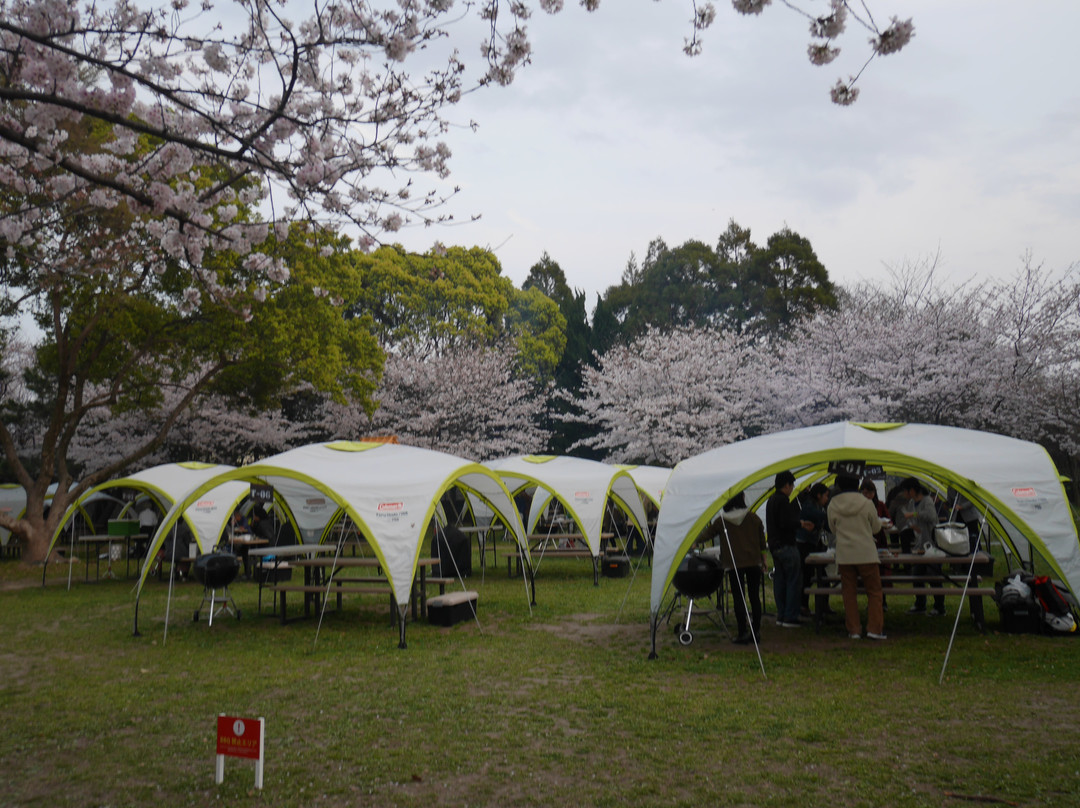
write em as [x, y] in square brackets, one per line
[782, 520]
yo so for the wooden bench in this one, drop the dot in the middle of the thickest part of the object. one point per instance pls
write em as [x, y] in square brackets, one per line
[554, 552]
[442, 582]
[888, 580]
[972, 591]
[338, 588]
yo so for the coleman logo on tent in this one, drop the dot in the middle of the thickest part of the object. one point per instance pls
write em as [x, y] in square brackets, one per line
[1023, 493]
[315, 501]
[204, 504]
[391, 506]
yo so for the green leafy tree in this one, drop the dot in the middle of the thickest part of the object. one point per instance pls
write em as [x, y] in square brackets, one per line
[124, 340]
[547, 276]
[736, 285]
[787, 282]
[539, 330]
[428, 303]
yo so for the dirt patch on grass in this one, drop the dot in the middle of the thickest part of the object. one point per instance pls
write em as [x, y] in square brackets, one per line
[600, 630]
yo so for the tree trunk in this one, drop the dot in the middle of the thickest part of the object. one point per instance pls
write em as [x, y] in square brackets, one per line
[34, 530]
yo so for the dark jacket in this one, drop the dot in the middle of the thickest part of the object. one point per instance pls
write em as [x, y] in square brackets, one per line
[781, 521]
[811, 512]
[747, 536]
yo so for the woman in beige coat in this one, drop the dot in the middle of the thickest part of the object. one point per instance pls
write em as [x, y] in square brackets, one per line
[853, 520]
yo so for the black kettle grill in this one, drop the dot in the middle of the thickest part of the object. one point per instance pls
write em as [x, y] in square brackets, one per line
[216, 571]
[697, 577]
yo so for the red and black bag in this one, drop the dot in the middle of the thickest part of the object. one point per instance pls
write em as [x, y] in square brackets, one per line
[1056, 610]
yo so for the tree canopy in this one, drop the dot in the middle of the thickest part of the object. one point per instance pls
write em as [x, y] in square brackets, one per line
[429, 303]
[737, 286]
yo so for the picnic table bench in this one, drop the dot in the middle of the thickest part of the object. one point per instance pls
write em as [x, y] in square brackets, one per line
[953, 583]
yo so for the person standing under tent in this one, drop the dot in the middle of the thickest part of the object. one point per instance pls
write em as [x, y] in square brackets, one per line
[148, 522]
[968, 513]
[262, 526]
[808, 540]
[962, 509]
[781, 522]
[745, 564]
[902, 513]
[926, 519]
[853, 520]
[869, 490]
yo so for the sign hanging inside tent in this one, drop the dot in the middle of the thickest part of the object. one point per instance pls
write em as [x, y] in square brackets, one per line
[857, 468]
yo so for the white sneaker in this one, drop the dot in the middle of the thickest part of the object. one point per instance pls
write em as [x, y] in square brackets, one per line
[873, 636]
[856, 636]
[935, 613]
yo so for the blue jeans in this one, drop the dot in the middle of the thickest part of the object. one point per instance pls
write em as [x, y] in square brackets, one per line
[787, 583]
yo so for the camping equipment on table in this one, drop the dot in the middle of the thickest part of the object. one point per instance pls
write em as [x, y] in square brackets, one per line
[698, 577]
[952, 537]
[216, 571]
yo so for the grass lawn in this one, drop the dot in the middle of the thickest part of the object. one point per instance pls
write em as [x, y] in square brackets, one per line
[557, 708]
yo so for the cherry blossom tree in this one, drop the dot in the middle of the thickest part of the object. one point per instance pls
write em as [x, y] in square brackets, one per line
[669, 395]
[1038, 322]
[910, 352]
[234, 104]
[215, 430]
[467, 401]
[998, 356]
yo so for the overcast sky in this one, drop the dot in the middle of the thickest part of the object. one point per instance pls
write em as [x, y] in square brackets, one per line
[966, 143]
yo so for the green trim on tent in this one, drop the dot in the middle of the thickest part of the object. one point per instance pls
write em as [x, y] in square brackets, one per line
[258, 473]
[195, 465]
[878, 427]
[538, 458]
[814, 462]
[121, 482]
[352, 445]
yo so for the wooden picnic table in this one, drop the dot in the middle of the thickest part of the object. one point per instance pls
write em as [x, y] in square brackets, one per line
[93, 542]
[954, 582]
[324, 574]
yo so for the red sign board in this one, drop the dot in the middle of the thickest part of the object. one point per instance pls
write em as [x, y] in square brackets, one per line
[239, 737]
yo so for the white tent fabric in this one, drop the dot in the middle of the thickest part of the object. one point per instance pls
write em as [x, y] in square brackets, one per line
[389, 491]
[12, 503]
[651, 480]
[169, 483]
[1013, 481]
[583, 487]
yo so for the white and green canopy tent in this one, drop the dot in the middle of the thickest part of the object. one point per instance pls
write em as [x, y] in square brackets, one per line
[13, 504]
[389, 491]
[582, 487]
[651, 480]
[1013, 482]
[167, 484]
